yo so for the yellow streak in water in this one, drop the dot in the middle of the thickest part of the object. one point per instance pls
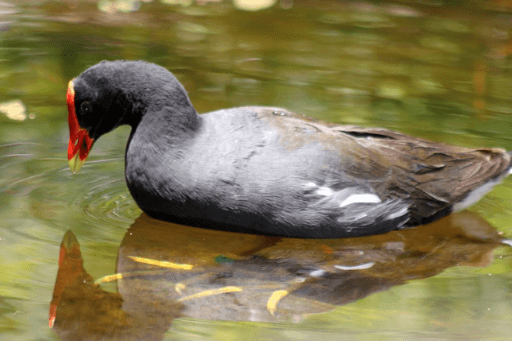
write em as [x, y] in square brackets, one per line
[109, 278]
[274, 300]
[211, 293]
[163, 264]
[179, 287]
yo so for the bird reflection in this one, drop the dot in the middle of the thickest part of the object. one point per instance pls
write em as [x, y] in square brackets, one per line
[165, 271]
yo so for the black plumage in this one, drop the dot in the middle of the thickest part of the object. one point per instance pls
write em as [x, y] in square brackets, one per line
[267, 170]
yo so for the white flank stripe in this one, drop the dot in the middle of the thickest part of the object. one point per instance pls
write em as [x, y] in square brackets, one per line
[310, 185]
[397, 214]
[355, 267]
[360, 199]
[317, 273]
[475, 195]
[326, 191]
[507, 241]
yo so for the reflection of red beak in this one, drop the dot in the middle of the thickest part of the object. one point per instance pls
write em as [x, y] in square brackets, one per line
[79, 141]
[70, 267]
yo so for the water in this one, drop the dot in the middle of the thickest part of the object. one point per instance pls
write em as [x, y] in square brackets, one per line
[432, 69]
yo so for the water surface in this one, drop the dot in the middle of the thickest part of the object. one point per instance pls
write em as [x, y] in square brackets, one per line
[437, 70]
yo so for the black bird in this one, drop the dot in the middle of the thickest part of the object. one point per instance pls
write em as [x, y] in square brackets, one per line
[267, 170]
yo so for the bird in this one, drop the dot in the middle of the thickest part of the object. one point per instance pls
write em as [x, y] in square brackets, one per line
[267, 170]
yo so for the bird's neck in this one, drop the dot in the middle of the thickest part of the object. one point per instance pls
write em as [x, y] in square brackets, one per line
[163, 108]
[168, 125]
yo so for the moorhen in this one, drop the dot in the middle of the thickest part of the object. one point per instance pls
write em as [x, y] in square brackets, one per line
[267, 170]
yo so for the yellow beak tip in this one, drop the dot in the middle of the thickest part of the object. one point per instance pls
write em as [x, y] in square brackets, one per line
[75, 163]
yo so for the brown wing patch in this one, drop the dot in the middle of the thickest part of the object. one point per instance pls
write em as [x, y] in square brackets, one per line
[431, 173]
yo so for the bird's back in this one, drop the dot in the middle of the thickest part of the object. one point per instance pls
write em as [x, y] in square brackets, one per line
[271, 171]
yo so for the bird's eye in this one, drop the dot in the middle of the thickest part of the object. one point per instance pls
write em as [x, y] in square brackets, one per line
[85, 107]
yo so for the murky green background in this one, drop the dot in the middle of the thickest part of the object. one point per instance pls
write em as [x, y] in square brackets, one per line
[437, 69]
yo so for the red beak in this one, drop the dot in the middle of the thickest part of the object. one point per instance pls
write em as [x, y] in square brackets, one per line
[80, 142]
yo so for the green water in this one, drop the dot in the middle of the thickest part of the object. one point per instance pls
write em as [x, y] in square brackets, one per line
[434, 69]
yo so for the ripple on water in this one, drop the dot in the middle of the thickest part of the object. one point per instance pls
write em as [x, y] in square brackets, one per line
[107, 201]
[37, 180]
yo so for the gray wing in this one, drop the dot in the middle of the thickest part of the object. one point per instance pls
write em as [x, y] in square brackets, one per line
[304, 175]
[389, 178]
